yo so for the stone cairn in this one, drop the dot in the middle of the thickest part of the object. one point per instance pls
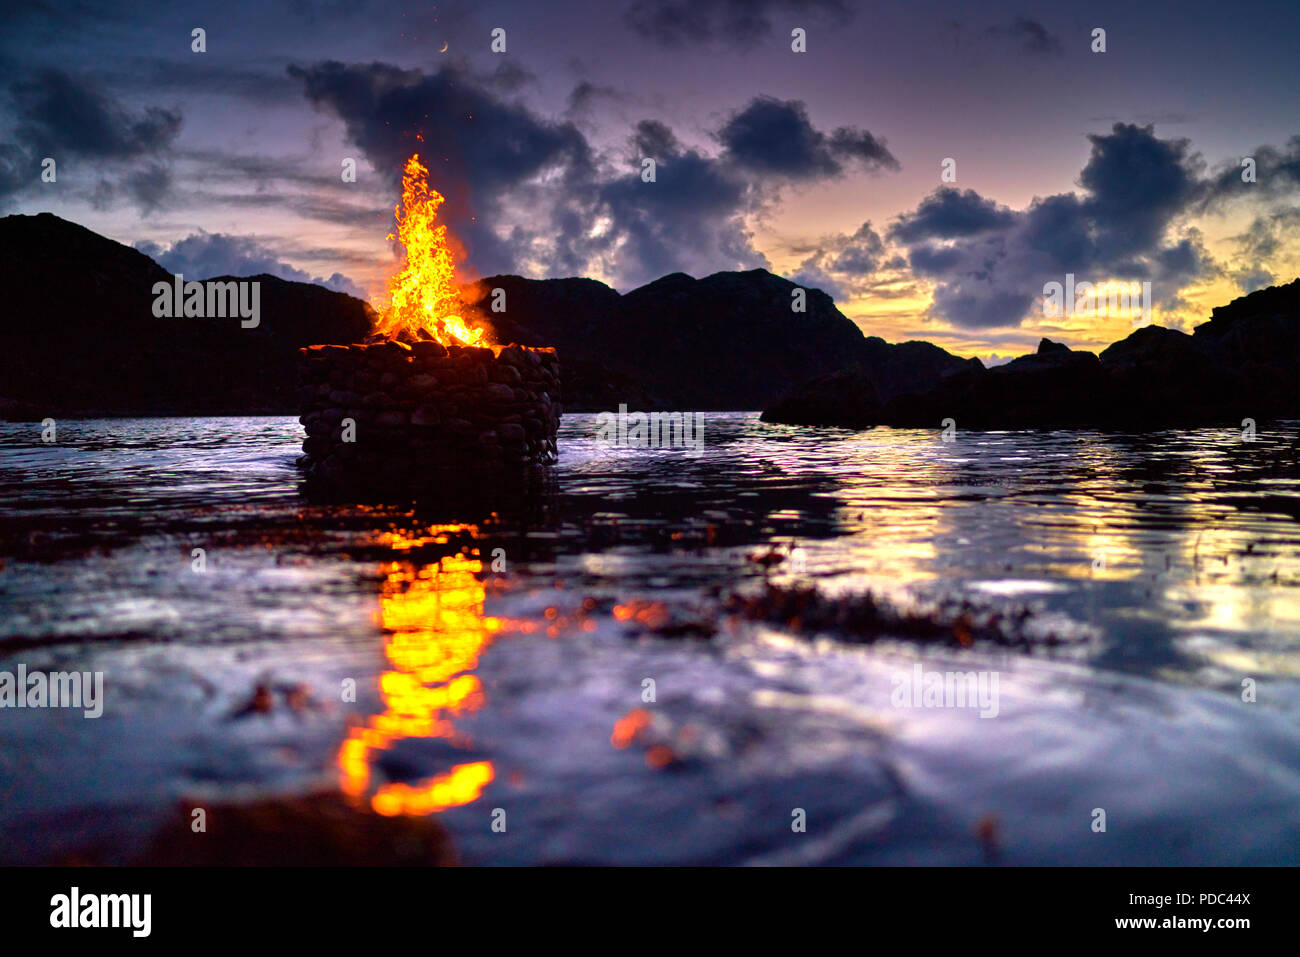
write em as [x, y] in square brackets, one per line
[421, 414]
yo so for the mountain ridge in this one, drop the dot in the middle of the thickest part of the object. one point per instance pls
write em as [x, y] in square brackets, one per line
[80, 338]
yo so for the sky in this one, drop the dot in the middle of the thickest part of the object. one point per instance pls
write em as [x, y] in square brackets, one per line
[824, 165]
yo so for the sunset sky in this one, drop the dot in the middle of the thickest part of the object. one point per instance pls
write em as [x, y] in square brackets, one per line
[822, 166]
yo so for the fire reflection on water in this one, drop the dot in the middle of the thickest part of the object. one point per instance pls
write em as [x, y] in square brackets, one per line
[432, 617]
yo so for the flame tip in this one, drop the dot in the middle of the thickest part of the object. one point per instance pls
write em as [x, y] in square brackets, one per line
[423, 295]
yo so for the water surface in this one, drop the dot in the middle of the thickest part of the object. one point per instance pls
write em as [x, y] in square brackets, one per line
[500, 652]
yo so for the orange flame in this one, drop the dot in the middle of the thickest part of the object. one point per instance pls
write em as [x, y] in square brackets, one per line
[423, 295]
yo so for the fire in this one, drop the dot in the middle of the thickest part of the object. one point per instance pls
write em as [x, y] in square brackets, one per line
[423, 295]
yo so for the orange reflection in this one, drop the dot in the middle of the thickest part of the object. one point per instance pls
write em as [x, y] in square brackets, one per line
[433, 616]
[630, 727]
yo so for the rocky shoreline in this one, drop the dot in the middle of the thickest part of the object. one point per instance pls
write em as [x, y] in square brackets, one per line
[1237, 368]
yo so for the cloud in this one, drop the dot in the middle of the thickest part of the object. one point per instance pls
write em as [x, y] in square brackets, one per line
[16, 169]
[1138, 183]
[509, 77]
[1253, 279]
[950, 213]
[204, 255]
[586, 95]
[64, 117]
[690, 219]
[843, 266]
[1277, 174]
[1030, 37]
[988, 263]
[1262, 242]
[529, 194]
[741, 24]
[480, 148]
[149, 185]
[776, 137]
[60, 114]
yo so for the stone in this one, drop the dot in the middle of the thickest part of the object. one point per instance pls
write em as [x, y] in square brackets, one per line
[426, 415]
[391, 419]
[423, 410]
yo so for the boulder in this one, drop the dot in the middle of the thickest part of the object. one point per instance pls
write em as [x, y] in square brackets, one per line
[846, 398]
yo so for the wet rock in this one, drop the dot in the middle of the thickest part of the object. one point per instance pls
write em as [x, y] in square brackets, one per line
[845, 398]
[867, 618]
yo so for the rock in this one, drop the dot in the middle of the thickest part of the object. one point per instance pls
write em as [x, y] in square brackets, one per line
[1241, 364]
[426, 415]
[392, 419]
[434, 350]
[846, 398]
[420, 384]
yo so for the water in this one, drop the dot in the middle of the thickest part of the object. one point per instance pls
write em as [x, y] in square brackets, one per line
[499, 664]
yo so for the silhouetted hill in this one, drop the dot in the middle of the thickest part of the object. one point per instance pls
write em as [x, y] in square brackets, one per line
[1241, 364]
[728, 341]
[78, 333]
[79, 336]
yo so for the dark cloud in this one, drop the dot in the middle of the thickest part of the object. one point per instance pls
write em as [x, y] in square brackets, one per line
[988, 263]
[950, 213]
[586, 94]
[735, 23]
[70, 118]
[149, 185]
[655, 140]
[17, 169]
[861, 255]
[526, 193]
[1253, 279]
[776, 137]
[58, 114]
[1030, 37]
[478, 147]
[205, 255]
[1137, 184]
[688, 220]
[1277, 174]
[509, 77]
